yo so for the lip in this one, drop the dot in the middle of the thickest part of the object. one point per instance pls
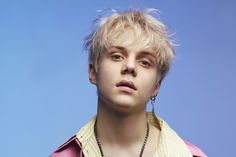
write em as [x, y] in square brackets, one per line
[124, 84]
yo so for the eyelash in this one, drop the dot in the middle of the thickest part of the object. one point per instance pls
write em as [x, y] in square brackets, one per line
[116, 57]
[145, 63]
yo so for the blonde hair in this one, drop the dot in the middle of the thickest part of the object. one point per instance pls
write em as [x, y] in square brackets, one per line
[141, 22]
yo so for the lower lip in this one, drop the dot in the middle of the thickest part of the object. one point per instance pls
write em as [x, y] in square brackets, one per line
[126, 89]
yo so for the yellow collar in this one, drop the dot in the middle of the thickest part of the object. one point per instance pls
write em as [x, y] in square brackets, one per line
[170, 144]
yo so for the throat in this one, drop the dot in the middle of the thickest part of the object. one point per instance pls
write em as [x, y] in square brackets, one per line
[102, 142]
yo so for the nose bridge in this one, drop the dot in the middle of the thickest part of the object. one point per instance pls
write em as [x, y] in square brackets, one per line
[130, 66]
[130, 62]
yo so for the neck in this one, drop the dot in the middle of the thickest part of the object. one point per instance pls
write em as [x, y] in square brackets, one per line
[118, 128]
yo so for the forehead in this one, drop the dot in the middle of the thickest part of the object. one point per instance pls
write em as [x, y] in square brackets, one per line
[132, 39]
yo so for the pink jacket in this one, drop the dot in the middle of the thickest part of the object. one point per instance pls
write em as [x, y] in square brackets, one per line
[72, 148]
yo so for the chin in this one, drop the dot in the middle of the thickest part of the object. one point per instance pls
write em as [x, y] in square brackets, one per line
[124, 106]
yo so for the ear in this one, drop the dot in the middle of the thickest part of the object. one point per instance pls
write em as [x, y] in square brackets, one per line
[92, 74]
[156, 89]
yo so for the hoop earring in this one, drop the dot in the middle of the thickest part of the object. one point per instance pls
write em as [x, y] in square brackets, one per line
[153, 99]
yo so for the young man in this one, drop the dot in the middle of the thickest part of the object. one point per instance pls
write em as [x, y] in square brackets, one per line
[130, 54]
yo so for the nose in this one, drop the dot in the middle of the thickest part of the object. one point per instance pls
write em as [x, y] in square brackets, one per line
[129, 67]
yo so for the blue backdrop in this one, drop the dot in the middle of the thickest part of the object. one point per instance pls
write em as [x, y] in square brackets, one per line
[45, 95]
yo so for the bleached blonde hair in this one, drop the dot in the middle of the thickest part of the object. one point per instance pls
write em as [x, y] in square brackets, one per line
[142, 22]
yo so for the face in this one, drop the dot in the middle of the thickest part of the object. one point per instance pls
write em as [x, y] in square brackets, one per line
[127, 74]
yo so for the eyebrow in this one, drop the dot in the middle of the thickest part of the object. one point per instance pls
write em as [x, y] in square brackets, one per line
[147, 53]
[120, 48]
[143, 53]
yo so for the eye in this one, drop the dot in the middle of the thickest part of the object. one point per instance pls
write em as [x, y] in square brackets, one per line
[116, 57]
[145, 63]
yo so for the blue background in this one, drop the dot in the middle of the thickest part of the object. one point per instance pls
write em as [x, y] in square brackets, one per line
[45, 95]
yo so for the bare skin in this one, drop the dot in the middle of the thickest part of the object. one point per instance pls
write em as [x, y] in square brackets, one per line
[126, 79]
[123, 137]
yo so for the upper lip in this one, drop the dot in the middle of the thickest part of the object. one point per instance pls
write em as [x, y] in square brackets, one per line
[126, 83]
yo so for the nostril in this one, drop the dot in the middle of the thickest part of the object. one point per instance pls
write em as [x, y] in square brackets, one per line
[129, 70]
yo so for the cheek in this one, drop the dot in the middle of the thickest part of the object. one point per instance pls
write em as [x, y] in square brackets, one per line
[105, 75]
[149, 82]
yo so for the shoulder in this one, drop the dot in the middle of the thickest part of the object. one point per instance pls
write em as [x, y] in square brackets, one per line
[71, 148]
[197, 152]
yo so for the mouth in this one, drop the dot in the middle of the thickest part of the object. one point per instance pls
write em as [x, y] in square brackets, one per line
[125, 83]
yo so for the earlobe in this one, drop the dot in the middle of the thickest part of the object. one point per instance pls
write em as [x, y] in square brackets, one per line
[156, 89]
[92, 74]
